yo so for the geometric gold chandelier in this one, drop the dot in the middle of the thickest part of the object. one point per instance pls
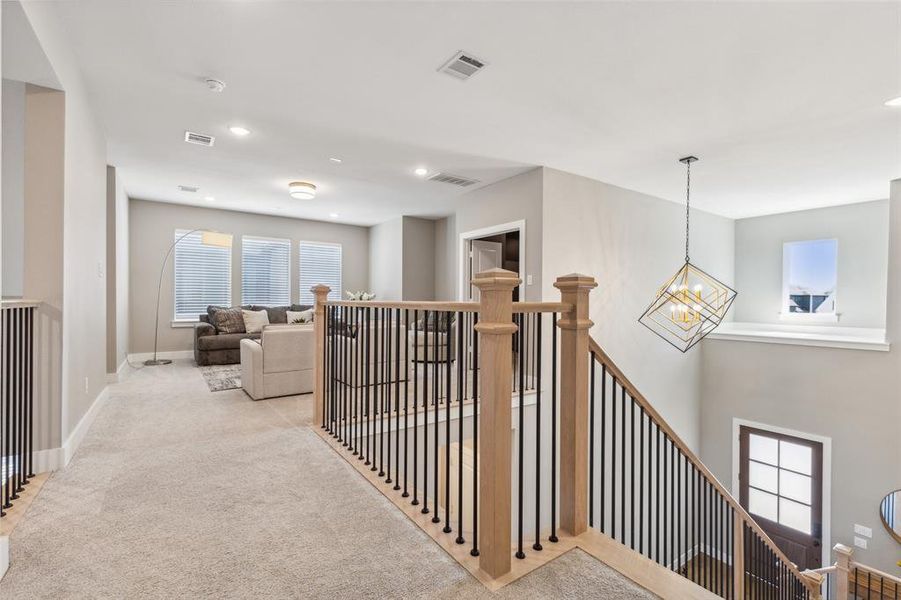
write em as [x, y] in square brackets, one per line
[691, 303]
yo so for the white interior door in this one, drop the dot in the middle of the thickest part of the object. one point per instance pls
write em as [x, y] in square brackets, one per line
[483, 256]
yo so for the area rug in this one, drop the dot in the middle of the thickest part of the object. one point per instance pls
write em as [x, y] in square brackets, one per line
[222, 377]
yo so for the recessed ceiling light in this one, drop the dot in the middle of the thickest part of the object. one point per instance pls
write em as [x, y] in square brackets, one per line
[209, 198]
[214, 85]
[302, 190]
[333, 215]
[421, 171]
[239, 131]
[894, 102]
[336, 160]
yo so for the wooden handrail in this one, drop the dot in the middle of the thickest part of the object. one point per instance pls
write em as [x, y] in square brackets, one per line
[472, 307]
[630, 388]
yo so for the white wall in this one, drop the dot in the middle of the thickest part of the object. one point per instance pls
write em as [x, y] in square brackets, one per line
[13, 186]
[386, 260]
[631, 243]
[117, 277]
[862, 234]
[151, 230]
[84, 252]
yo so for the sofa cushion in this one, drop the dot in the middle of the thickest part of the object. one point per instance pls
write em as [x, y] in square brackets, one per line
[224, 341]
[255, 320]
[226, 319]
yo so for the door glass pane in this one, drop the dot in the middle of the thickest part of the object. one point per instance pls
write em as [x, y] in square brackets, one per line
[764, 477]
[795, 457]
[794, 486]
[763, 504]
[763, 449]
[794, 515]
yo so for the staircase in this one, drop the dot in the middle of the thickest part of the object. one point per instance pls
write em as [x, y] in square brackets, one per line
[510, 437]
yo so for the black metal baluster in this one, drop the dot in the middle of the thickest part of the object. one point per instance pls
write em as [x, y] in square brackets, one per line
[641, 480]
[603, 506]
[591, 358]
[343, 365]
[658, 505]
[475, 438]
[537, 362]
[415, 500]
[519, 496]
[7, 409]
[384, 393]
[367, 368]
[425, 414]
[665, 506]
[448, 337]
[460, 395]
[622, 521]
[436, 388]
[406, 493]
[553, 536]
[613, 459]
[631, 473]
[396, 326]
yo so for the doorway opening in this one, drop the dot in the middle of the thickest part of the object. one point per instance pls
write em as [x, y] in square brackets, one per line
[499, 246]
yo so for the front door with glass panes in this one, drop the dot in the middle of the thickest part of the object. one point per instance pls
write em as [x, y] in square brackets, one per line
[781, 486]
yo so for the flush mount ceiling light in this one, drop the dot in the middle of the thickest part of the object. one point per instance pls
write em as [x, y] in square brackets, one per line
[336, 160]
[893, 102]
[239, 131]
[691, 303]
[421, 171]
[302, 190]
[209, 198]
[333, 215]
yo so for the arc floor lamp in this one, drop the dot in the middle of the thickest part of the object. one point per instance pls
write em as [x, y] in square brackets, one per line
[207, 238]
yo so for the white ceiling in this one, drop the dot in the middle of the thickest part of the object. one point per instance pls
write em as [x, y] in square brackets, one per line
[782, 102]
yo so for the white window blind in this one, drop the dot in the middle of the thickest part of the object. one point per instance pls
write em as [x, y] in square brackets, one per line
[319, 263]
[265, 271]
[202, 275]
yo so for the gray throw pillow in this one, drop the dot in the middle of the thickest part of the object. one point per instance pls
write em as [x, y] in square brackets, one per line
[227, 320]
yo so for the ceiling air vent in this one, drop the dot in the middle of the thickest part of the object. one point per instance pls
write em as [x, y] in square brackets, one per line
[199, 138]
[452, 179]
[188, 188]
[462, 65]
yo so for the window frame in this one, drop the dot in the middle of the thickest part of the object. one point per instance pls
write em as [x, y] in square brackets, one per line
[812, 317]
[181, 233]
[287, 274]
[334, 294]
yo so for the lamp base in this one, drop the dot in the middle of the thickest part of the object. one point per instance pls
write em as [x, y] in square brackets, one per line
[155, 362]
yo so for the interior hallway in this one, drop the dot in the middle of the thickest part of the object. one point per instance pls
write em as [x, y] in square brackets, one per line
[179, 492]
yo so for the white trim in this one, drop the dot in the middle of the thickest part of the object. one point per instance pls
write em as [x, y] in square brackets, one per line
[810, 318]
[117, 376]
[467, 236]
[849, 338]
[826, 534]
[54, 459]
[173, 354]
[177, 323]
[4, 555]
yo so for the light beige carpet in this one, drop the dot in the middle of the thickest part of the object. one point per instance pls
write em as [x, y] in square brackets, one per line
[177, 492]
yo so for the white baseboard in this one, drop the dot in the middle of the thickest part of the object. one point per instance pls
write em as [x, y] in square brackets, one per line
[54, 459]
[141, 356]
[4, 555]
[117, 376]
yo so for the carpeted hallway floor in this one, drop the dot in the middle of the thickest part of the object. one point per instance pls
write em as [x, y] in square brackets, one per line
[178, 492]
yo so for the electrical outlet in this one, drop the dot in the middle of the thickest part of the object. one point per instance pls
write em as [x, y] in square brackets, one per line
[860, 542]
[864, 531]
[528, 280]
[86, 384]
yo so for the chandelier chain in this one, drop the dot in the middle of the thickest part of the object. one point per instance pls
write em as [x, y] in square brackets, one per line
[687, 202]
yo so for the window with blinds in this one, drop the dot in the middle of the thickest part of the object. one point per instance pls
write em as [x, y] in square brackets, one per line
[202, 275]
[265, 271]
[319, 263]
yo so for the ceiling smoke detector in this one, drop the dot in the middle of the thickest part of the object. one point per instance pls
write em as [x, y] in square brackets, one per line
[214, 85]
[462, 65]
[199, 138]
[302, 190]
[453, 179]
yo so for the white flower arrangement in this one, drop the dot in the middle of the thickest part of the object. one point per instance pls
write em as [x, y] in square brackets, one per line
[359, 296]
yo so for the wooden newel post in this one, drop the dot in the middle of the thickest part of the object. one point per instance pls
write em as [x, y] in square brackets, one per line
[496, 330]
[738, 556]
[842, 570]
[574, 332]
[320, 293]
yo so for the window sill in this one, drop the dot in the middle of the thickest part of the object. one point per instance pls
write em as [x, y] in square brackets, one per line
[175, 324]
[850, 338]
[808, 318]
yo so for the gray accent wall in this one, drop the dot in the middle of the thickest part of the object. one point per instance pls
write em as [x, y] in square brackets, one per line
[631, 244]
[862, 234]
[418, 259]
[152, 228]
[852, 397]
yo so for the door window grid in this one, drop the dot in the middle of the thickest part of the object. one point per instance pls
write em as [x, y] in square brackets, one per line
[774, 502]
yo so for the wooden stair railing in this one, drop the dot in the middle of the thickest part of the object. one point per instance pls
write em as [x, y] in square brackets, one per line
[736, 554]
[391, 377]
